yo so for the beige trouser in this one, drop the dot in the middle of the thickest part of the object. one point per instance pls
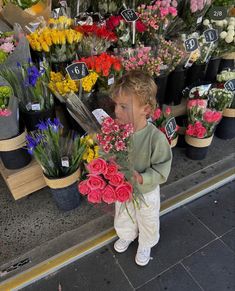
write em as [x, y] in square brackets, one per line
[146, 220]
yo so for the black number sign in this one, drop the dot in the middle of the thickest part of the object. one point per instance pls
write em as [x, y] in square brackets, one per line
[191, 44]
[211, 35]
[218, 13]
[129, 15]
[230, 85]
[77, 71]
[170, 127]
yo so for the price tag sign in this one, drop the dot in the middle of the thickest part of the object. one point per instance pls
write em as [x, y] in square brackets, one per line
[191, 44]
[230, 85]
[170, 127]
[36, 107]
[217, 13]
[211, 35]
[65, 162]
[129, 15]
[111, 80]
[77, 71]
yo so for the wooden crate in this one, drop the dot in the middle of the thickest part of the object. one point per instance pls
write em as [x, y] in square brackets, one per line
[23, 181]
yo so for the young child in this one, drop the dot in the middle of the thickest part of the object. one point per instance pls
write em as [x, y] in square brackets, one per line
[134, 95]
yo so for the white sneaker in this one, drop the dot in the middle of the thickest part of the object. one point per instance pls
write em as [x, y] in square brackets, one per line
[142, 256]
[121, 245]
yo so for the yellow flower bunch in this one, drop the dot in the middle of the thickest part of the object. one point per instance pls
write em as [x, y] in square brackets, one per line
[44, 39]
[92, 150]
[62, 85]
[195, 55]
[89, 81]
[61, 22]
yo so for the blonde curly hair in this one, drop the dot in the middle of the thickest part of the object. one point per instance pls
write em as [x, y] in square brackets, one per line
[138, 84]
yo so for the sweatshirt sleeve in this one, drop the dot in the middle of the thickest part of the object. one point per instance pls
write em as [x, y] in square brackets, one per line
[161, 158]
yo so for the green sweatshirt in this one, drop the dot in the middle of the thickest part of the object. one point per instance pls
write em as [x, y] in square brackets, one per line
[152, 157]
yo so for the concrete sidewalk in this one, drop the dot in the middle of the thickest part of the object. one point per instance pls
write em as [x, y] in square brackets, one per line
[196, 252]
[34, 229]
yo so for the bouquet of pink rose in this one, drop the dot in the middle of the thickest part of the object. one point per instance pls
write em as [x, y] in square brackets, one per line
[105, 183]
[201, 120]
[160, 118]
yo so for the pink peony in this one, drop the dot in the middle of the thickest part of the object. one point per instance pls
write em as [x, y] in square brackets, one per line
[116, 179]
[97, 166]
[109, 194]
[212, 116]
[95, 196]
[7, 47]
[95, 182]
[124, 192]
[83, 188]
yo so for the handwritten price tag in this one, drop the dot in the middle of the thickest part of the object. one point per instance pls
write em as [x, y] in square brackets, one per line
[191, 44]
[77, 71]
[230, 85]
[170, 127]
[211, 35]
[217, 13]
[129, 15]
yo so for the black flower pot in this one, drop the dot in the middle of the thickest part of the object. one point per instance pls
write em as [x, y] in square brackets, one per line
[67, 198]
[32, 118]
[196, 73]
[226, 128]
[161, 82]
[212, 69]
[13, 153]
[226, 64]
[175, 84]
[195, 153]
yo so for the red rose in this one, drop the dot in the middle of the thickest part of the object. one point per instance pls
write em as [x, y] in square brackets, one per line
[94, 196]
[140, 27]
[97, 166]
[116, 179]
[83, 188]
[124, 192]
[109, 194]
[112, 169]
[95, 182]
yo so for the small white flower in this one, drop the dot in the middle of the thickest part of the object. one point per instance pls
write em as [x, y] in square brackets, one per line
[232, 18]
[230, 27]
[219, 23]
[223, 34]
[229, 38]
[206, 22]
[231, 33]
[225, 22]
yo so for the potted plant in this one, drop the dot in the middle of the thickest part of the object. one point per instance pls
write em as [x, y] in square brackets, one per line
[160, 119]
[201, 126]
[30, 85]
[60, 156]
[12, 139]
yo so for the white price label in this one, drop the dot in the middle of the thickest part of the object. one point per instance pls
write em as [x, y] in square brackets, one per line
[100, 115]
[36, 107]
[199, 20]
[111, 80]
[65, 162]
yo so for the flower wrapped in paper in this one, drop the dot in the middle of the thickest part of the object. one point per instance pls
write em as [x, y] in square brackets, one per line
[9, 111]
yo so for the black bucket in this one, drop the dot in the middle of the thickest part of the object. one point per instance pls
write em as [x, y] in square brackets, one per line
[196, 73]
[226, 128]
[226, 64]
[175, 84]
[67, 198]
[161, 82]
[195, 153]
[212, 69]
[32, 118]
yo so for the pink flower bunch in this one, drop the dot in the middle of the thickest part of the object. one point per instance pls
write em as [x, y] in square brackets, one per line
[7, 47]
[196, 130]
[114, 137]
[5, 112]
[211, 116]
[198, 5]
[201, 103]
[105, 183]
[141, 58]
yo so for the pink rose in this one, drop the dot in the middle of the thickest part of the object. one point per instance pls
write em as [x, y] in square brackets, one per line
[157, 114]
[140, 27]
[124, 192]
[173, 11]
[83, 188]
[95, 196]
[95, 182]
[168, 111]
[97, 166]
[109, 194]
[116, 179]
[112, 169]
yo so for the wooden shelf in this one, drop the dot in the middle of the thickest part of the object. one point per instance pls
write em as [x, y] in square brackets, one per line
[23, 181]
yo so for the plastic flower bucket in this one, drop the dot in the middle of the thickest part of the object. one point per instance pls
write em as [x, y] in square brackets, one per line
[226, 127]
[197, 147]
[196, 73]
[65, 191]
[212, 69]
[13, 153]
[161, 82]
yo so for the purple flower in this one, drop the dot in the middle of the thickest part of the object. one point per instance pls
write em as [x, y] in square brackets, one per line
[55, 124]
[42, 126]
[31, 144]
[32, 76]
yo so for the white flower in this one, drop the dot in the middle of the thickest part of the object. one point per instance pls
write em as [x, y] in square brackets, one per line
[225, 22]
[229, 38]
[223, 34]
[231, 33]
[232, 18]
[230, 27]
[206, 22]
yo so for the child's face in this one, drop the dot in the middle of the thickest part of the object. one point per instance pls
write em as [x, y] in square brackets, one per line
[129, 110]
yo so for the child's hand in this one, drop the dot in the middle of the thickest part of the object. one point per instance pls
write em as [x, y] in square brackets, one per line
[138, 177]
